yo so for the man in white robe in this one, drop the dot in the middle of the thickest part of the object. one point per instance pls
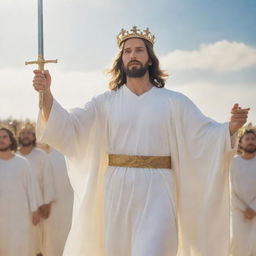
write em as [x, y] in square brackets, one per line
[41, 166]
[57, 226]
[243, 178]
[124, 210]
[18, 205]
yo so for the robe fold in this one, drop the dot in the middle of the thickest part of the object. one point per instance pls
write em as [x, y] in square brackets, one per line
[57, 226]
[139, 205]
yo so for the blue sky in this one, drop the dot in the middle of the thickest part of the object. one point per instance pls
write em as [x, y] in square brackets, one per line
[208, 47]
[194, 22]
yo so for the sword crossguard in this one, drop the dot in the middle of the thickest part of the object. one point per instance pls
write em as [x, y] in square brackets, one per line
[40, 62]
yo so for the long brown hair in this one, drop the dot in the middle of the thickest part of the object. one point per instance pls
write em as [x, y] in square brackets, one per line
[118, 77]
[14, 144]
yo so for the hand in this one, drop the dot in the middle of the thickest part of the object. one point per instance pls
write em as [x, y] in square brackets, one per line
[238, 118]
[42, 80]
[45, 210]
[36, 218]
[249, 213]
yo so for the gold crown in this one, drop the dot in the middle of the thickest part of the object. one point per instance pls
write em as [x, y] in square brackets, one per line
[135, 33]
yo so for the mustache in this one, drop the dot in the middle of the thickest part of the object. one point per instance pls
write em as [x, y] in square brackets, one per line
[134, 62]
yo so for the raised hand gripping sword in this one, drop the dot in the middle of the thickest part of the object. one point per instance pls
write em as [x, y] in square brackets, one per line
[40, 61]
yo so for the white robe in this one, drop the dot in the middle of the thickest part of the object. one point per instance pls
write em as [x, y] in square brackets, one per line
[140, 204]
[243, 179]
[41, 166]
[17, 202]
[57, 226]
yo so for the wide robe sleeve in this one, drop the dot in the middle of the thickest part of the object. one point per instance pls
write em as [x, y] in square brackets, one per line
[201, 152]
[79, 134]
[69, 132]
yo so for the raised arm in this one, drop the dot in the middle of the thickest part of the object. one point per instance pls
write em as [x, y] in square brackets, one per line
[42, 82]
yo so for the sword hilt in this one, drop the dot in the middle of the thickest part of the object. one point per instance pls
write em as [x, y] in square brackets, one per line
[40, 62]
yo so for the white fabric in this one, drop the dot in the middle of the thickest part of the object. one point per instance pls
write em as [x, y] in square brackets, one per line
[40, 165]
[17, 202]
[57, 226]
[243, 179]
[140, 204]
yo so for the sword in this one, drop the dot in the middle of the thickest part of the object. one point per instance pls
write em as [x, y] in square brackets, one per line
[40, 60]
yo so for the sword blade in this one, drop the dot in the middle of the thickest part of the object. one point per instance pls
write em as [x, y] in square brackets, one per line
[40, 29]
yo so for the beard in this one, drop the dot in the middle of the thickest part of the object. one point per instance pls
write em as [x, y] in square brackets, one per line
[5, 149]
[249, 150]
[26, 142]
[136, 72]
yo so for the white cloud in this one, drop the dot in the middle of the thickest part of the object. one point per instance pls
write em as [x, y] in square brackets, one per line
[221, 56]
[216, 100]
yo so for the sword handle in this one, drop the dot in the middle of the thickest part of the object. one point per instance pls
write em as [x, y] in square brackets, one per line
[41, 62]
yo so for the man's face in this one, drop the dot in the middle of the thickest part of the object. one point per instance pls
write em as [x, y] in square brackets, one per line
[27, 137]
[248, 143]
[5, 141]
[135, 57]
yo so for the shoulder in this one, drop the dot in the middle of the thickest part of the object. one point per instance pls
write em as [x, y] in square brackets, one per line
[106, 96]
[21, 161]
[40, 155]
[19, 158]
[235, 160]
[102, 102]
[176, 99]
[54, 153]
[40, 152]
[171, 94]
[95, 101]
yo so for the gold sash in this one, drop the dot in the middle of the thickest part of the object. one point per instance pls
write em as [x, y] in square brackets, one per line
[163, 162]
